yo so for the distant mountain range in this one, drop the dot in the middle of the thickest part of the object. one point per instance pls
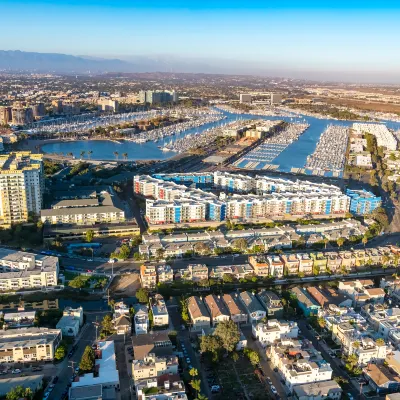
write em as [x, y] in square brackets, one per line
[16, 60]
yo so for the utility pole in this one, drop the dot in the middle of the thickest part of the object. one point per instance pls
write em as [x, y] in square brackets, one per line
[72, 366]
[96, 325]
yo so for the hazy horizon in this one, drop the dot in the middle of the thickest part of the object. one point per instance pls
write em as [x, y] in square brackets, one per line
[338, 39]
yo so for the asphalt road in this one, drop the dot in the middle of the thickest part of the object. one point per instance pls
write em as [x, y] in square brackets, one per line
[64, 370]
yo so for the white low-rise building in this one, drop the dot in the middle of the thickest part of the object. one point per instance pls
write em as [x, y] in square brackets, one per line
[160, 311]
[274, 330]
[141, 320]
[106, 371]
[21, 270]
[151, 366]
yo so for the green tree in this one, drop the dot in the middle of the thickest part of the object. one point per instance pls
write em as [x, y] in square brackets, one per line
[193, 372]
[380, 342]
[211, 344]
[61, 351]
[201, 397]
[125, 156]
[18, 392]
[196, 385]
[87, 361]
[340, 242]
[116, 154]
[142, 295]
[78, 282]
[184, 310]
[240, 244]
[82, 153]
[90, 152]
[229, 335]
[252, 355]
[364, 240]
[160, 253]
[107, 325]
[356, 344]
[235, 356]
[89, 235]
[227, 278]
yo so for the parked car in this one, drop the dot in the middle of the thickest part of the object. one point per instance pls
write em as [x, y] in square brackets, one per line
[215, 388]
[269, 380]
[350, 396]
[273, 389]
[34, 369]
[16, 371]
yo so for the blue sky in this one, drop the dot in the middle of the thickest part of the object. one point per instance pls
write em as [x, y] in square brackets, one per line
[336, 35]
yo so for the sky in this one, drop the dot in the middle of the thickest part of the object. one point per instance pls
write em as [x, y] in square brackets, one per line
[355, 36]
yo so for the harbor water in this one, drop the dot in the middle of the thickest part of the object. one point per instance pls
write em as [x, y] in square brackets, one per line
[293, 156]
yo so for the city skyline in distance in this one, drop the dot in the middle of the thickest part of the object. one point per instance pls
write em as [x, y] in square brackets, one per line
[345, 41]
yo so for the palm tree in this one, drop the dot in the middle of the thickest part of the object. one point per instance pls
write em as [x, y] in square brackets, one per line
[364, 240]
[82, 153]
[116, 154]
[90, 152]
[326, 241]
[70, 154]
[125, 156]
[340, 242]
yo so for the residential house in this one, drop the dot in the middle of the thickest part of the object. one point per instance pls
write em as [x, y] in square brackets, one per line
[165, 274]
[291, 263]
[318, 391]
[305, 264]
[123, 324]
[271, 302]
[306, 302]
[275, 266]
[157, 343]
[253, 307]
[320, 262]
[198, 313]
[148, 276]
[382, 379]
[236, 309]
[216, 308]
[260, 266]
[152, 366]
[160, 311]
[195, 272]
[141, 319]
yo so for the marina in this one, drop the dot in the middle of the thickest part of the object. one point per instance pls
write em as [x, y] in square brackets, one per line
[330, 153]
[262, 155]
[293, 156]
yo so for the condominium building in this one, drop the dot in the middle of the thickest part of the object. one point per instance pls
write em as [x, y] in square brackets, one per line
[21, 186]
[298, 364]
[148, 276]
[21, 270]
[195, 272]
[152, 366]
[383, 136]
[29, 344]
[5, 115]
[165, 274]
[363, 202]
[141, 319]
[158, 96]
[106, 104]
[22, 115]
[274, 330]
[160, 311]
[84, 211]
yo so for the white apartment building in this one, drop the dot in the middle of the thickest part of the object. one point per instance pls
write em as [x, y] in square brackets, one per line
[151, 366]
[274, 330]
[383, 136]
[20, 270]
[21, 186]
[29, 344]
[141, 320]
[298, 366]
[84, 211]
[107, 373]
[71, 321]
[165, 274]
[160, 311]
